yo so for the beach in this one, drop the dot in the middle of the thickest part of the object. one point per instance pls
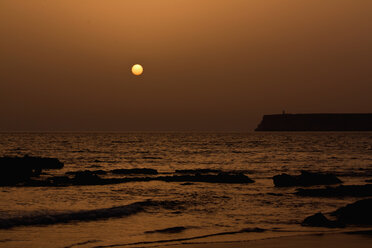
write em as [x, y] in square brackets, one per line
[337, 240]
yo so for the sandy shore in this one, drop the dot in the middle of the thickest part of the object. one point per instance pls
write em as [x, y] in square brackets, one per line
[339, 240]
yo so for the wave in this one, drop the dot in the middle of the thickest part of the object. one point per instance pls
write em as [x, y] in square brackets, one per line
[244, 230]
[82, 215]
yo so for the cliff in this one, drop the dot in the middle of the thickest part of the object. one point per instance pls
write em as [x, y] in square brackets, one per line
[316, 122]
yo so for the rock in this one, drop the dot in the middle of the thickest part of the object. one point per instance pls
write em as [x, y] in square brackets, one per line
[284, 180]
[359, 213]
[59, 180]
[305, 179]
[219, 178]
[143, 171]
[198, 171]
[16, 170]
[339, 191]
[93, 172]
[316, 122]
[99, 172]
[319, 220]
[87, 178]
[91, 178]
[27, 162]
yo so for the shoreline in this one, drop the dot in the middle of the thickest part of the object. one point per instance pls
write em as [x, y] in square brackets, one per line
[345, 239]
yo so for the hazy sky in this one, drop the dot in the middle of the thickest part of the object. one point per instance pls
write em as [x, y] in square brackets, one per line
[208, 64]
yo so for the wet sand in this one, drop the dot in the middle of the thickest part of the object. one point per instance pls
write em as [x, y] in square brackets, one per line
[339, 240]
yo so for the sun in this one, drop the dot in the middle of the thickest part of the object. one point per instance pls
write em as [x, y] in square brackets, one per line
[137, 69]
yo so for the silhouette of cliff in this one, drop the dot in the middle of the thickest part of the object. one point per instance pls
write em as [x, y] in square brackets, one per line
[316, 122]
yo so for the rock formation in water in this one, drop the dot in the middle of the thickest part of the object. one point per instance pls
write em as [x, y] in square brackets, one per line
[87, 177]
[357, 213]
[316, 122]
[339, 191]
[306, 178]
[319, 220]
[143, 171]
[219, 178]
[15, 170]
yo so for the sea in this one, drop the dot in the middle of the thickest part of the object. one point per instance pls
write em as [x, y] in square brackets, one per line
[158, 213]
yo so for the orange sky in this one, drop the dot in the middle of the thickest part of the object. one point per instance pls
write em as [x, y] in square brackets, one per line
[209, 65]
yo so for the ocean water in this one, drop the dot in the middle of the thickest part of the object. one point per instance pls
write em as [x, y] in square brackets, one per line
[131, 214]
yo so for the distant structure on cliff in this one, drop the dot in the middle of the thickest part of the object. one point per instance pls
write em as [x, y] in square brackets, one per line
[316, 122]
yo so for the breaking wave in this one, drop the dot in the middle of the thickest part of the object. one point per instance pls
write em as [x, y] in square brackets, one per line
[81, 215]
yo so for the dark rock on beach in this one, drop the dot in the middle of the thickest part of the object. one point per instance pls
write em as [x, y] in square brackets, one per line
[339, 191]
[15, 170]
[357, 213]
[319, 220]
[305, 179]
